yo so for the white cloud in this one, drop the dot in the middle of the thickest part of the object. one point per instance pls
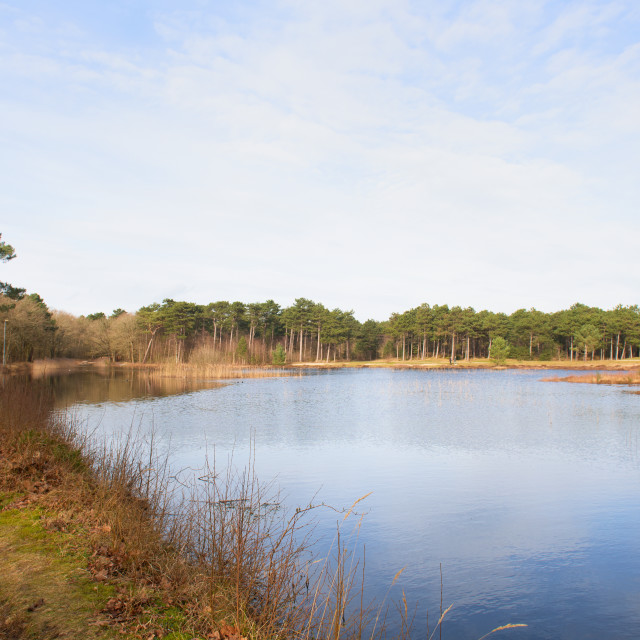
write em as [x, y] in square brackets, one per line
[367, 157]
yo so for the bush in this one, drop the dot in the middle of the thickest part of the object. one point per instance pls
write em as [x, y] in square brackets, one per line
[499, 350]
[279, 356]
[243, 350]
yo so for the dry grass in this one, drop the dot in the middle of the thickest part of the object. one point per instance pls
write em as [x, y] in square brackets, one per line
[627, 378]
[217, 371]
[474, 363]
[199, 368]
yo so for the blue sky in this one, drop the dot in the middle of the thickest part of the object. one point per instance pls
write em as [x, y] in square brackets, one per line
[370, 155]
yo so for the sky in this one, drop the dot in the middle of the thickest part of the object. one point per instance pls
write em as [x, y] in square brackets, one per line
[367, 154]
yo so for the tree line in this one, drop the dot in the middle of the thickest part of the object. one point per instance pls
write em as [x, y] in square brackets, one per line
[307, 331]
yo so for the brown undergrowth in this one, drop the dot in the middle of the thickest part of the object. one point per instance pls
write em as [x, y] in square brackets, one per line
[104, 541]
[627, 378]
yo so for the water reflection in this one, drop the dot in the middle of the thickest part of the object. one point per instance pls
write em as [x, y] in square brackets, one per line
[527, 492]
[109, 385]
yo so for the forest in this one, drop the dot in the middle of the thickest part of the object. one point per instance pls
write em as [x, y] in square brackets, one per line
[307, 331]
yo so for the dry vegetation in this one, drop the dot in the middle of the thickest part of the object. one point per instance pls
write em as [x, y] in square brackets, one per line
[475, 363]
[198, 369]
[623, 378]
[214, 371]
[99, 542]
[201, 370]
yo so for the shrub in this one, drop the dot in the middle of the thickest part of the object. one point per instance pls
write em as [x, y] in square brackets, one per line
[243, 350]
[499, 350]
[279, 356]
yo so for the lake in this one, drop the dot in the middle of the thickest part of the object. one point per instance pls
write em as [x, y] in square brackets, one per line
[526, 493]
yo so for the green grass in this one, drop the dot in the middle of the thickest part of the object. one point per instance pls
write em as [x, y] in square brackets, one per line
[45, 581]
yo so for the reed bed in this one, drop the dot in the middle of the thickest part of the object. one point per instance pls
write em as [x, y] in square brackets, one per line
[212, 371]
[212, 553]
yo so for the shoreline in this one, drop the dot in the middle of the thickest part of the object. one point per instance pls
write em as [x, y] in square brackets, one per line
[66, 365]
[478, 363]
[616, 372]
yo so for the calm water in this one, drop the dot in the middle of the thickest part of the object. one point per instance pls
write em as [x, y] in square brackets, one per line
[527, 492]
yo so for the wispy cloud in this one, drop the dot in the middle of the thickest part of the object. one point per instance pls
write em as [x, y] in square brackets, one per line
[373, 155]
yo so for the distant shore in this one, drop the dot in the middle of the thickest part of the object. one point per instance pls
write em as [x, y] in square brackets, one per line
[61, 366]
[479, 363]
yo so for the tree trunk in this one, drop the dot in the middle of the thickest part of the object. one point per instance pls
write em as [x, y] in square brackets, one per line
[146, 353]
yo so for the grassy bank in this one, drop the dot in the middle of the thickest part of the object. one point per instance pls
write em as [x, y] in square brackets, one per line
[82, 555]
